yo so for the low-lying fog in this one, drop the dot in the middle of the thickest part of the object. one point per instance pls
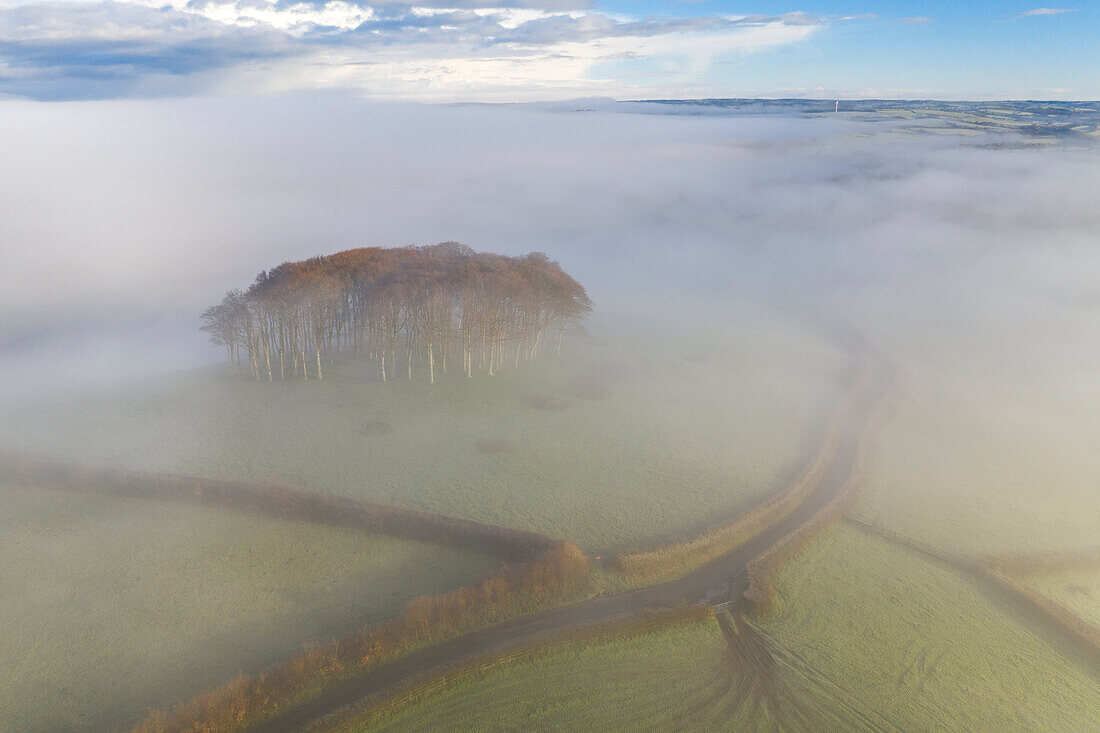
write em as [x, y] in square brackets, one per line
[123, 220]
[970, 258]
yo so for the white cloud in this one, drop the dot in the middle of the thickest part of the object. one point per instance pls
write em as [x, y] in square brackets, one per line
[1043, 11]
[417, 50]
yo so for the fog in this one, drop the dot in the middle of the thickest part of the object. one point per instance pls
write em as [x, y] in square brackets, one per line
[967, 256]
[122, 221]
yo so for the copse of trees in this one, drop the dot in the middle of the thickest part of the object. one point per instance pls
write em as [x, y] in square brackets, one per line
[432, 305]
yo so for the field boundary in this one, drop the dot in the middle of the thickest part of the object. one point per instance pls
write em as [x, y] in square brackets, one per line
[763, 569]
[1077, 627]
[276, 501]
[1045, 563]
[930, 551]
[556, 576]
[682, 556]
[1002, 572]
[426, 685]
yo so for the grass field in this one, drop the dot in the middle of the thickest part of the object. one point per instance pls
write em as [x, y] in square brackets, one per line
[689, 434]
[615, 686]
[1078, 590]
[897, 638]
[113, 606]
[867, 636]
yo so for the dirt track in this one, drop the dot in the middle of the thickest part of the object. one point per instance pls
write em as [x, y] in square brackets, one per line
[720, 580]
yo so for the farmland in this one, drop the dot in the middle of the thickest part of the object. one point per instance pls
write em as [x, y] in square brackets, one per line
[905, 640]
[112, 606]
[586, 688]
[867, 636]
[722, 419]
[1077, 590]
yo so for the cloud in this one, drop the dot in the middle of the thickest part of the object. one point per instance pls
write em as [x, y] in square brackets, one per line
[445, 50]
[1043, 11]
[85, 50]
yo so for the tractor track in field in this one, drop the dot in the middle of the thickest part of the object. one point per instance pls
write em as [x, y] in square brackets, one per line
[722, 580]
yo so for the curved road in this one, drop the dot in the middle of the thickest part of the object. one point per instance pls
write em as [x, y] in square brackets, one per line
[721, 579]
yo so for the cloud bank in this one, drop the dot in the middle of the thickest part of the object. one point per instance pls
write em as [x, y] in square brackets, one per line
[123, 220]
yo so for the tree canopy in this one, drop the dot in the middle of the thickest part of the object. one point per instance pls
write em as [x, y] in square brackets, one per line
[396, 305]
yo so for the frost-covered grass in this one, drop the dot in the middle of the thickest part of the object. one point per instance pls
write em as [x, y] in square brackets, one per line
[1077, 590]
[867, 636]
[916, 646]
[635, 684]
[113, 606]
[696, 426]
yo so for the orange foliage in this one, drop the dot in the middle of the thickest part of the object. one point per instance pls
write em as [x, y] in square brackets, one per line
[554, 576]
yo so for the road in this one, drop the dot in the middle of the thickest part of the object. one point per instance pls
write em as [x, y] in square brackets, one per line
[721, 579]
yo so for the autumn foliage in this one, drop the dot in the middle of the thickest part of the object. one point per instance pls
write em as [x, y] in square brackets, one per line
[432, 306]
[542, 572]
[556, 575]
[356, 717]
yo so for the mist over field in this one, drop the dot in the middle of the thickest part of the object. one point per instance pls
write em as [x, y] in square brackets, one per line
[124, 220]
[764, 277]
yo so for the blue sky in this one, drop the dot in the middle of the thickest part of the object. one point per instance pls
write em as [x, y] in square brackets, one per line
[520, 50]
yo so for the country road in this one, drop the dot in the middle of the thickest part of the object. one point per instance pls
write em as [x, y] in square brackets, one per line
[719, 580]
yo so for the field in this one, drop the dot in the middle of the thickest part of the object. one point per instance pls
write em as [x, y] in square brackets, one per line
[671, 439]
[113, 606]
[1077, 590]
[918, 645]
[628, 685]
[867, 636]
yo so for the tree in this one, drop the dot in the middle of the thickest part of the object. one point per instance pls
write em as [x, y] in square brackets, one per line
[428, 303]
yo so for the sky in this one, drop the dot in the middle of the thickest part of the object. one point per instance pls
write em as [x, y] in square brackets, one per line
[529, 50]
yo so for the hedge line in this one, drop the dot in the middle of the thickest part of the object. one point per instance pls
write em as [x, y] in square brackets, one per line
[763, 569]
[557, 575]
[275, 501]
[1080, 629]
[424, 686]
[1051, 562]
[680, 557]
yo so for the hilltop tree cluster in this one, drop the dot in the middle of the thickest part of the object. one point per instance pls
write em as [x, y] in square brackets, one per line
[429, 305]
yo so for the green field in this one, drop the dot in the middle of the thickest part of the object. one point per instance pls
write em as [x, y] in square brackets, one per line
[901, 639]
[615, 686]
[113, 606]
[696, 427]
[1078, 590]
[867, 636]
